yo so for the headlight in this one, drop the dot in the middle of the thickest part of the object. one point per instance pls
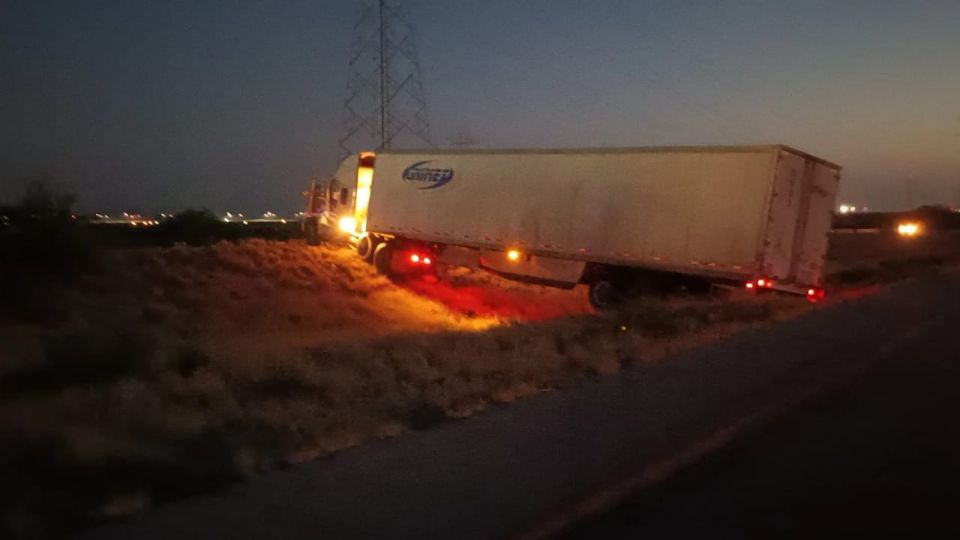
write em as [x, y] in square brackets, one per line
[347, 224]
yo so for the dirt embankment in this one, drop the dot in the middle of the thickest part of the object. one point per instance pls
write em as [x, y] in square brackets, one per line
[177, 370]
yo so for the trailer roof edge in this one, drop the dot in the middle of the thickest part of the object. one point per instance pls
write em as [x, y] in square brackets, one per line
[613, 150]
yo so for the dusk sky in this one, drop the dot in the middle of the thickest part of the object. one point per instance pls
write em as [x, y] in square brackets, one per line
[234, 105]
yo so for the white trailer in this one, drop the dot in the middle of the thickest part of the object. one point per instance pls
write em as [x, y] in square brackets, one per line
[617, 219]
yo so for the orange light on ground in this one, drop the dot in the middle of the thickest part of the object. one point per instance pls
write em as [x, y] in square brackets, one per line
[513, 255]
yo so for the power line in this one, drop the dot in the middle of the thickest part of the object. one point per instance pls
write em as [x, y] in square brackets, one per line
[385, 106]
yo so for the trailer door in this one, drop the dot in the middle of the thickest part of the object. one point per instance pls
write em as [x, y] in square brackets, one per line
[823, 181]
[786, 199]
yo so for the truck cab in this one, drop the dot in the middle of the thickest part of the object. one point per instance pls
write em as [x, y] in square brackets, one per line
[322, 209]
[336, 208]
[330, 205]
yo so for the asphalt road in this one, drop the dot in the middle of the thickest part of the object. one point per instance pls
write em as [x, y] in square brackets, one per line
[879, 458]
[537, 465]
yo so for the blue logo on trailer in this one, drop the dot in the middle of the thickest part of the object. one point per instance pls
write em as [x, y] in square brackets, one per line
[431, 178]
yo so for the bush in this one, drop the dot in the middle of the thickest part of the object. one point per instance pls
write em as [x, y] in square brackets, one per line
[40, 235]
[41, 246]
[193, 227]
[85, 356]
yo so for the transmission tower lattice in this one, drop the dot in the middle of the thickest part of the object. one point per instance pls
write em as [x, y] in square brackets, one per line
[385, 107]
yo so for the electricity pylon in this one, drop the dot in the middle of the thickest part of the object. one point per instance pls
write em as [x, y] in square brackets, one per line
[385, 106]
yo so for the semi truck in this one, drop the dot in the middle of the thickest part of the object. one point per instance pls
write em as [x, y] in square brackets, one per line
[623, 221]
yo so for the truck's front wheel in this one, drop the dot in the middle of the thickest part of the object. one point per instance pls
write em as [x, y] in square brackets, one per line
[366, 247]
[604, 295]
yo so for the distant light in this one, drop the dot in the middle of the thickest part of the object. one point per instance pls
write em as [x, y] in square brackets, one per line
[513, 255]
[347, 224]
[414, 258]
[426, 260]
[749, 285]
[226, 219]
[909, 229]
[245, 222]
[761, 282]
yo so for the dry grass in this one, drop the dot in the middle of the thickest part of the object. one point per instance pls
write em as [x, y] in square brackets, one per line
[864, 259]
[179, 370]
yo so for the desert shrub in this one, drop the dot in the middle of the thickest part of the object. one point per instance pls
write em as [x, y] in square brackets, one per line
[194, 227]
[888, 271]
[740, 312]
[40, 236]
[41, 248]
[659, 319]
[81, 356]
[188, 359]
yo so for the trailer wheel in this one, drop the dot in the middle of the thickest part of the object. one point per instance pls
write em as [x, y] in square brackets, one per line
[604, 295]
[366, 248]
[383, 259]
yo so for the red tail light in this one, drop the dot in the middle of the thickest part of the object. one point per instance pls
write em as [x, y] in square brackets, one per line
[426, 260]
[759, 283]
[415, 258]
[815, 294]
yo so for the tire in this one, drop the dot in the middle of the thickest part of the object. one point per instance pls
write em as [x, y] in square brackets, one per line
[366, 248]
[604, 295]
[310, 231]
[383, 259]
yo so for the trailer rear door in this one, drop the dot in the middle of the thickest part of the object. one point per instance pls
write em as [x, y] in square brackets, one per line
[801, 203]
[823, 181]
